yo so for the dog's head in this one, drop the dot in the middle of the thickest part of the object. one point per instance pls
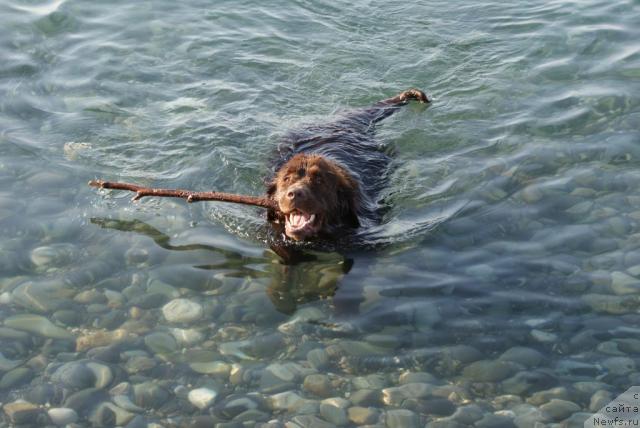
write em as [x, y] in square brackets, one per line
[315, 196]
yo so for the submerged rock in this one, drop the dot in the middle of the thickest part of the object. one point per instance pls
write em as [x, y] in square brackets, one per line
[182, 311]
[559, 409]
[62, 416]
[202, 398]
[38, 325]
[334, 410]
[488, 370]
[22, 412]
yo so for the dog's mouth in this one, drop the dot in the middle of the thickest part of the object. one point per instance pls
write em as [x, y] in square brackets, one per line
[300, 225]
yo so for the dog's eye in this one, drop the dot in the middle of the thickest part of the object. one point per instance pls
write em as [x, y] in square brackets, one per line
[286, 178]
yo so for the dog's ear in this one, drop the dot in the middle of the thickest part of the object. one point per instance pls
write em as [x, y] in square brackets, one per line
[348, 201]
[272, 186]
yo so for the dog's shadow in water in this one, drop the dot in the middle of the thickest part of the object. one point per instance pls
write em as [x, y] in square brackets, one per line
[296, 276]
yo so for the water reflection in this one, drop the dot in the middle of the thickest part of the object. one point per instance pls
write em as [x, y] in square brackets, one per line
[295, 275]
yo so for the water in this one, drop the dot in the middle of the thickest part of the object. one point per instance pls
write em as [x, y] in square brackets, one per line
[514, 221]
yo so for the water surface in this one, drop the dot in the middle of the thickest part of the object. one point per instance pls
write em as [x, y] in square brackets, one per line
[505, 275]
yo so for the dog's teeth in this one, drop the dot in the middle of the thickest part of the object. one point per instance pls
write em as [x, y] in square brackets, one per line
[312, 217]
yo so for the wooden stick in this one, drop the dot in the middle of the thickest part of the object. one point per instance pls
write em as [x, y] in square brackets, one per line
[190, 196]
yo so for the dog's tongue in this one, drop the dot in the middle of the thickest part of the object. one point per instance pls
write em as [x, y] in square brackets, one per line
[298, 219]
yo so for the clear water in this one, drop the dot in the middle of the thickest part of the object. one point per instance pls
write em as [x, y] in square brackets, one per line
[515, 200]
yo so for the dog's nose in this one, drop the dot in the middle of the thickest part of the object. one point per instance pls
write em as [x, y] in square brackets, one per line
[293, 194]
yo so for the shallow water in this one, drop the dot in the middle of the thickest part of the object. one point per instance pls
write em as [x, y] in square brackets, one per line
[507, 266]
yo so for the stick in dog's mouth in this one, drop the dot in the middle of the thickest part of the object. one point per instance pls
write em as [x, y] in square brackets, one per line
[188, 195]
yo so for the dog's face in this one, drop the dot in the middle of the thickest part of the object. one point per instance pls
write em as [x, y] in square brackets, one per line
[315, 195]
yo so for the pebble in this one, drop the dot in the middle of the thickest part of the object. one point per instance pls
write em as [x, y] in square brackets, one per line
[182, 311]
[318, 359]
[547, 395]
[616, 305]
[619, 365]
[161, 343]
[96, 339]
[187, 336]
[62, 416]
[21, 412]
[599, 399]
[85, 399]
[527, 382]
[148, 300]
[41, 296]
[52, 255]
[74, 375]
[202, 398]
[394, 396]
[334, 410]
[495, 421]
[416, 377]
[467, 415]
[16, 377]
[363, 415]
[233, 406]
[7, 364]
[366, 397]
[559, 409]
[308, 421]
[150, 395]
[622, 283]
[488, 370]
[107, 414]
[292, 402]
[525, 356]
[318, 384]
[402, 418]
[39, 325]
[215, 368]
[543, 336]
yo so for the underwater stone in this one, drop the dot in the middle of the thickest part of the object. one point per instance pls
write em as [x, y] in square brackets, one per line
[108, 414]
[53, 255]
[547, 395]
[619, 365]
[182, 311]
[559, 409]
[318, 384]
[363, 415]
[187, 337]
[6, 364]
[318, 358]
[62, 416]
[16, 377]
[41, 296]
[402, 418]
[468, 414]
[396, 395]
[612, 304]
[416, 377]
[160, 343]
[526, 356]
[150, 395]
[216, 368]
[38, 325]
[622, 284]
[74, 375]
[334, 410]
[488, 370]
[202, 398]
[21, 412]
[101, 338]
[599, 399]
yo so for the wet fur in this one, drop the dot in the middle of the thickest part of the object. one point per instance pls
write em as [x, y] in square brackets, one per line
[336, 170]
